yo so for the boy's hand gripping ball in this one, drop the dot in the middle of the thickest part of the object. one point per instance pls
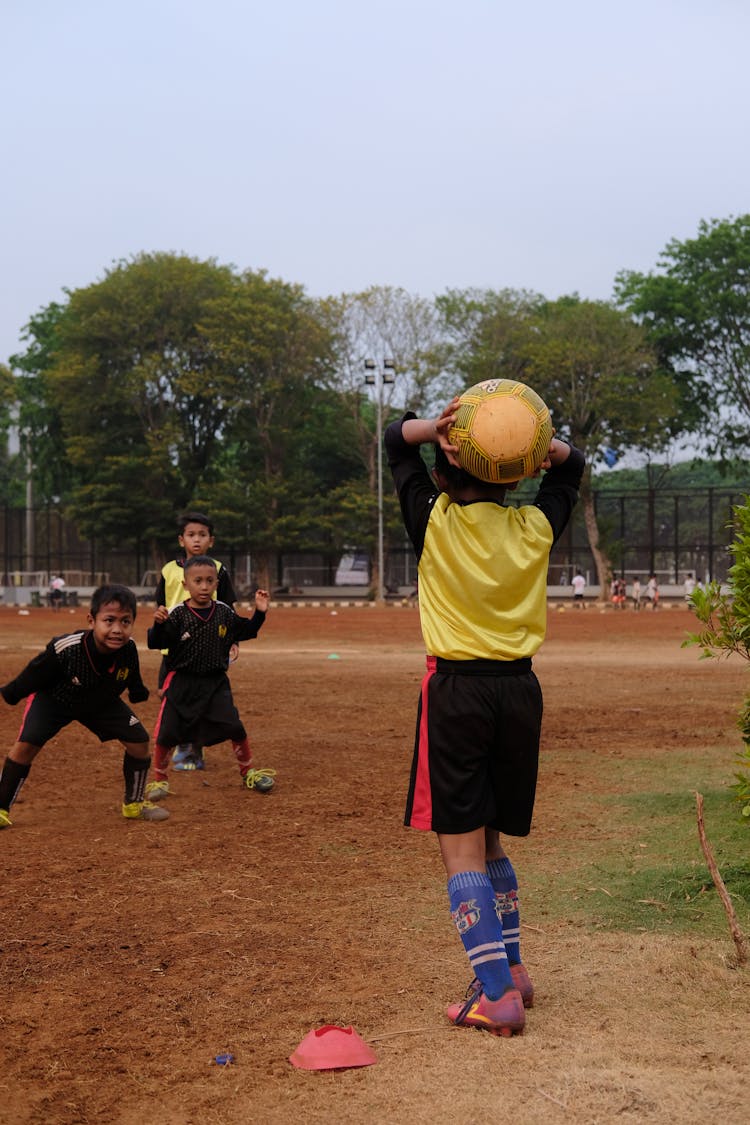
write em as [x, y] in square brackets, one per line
[502, 430]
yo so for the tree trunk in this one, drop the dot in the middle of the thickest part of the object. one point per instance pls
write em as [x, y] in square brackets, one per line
[601, 558]
[157, 555]
[262, 572]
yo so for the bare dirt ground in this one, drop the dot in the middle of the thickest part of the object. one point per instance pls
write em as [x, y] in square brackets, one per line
[134, 953]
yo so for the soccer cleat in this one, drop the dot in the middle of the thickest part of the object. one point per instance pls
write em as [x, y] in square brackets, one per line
[143, 810]
[521, 980]
[260, 780]
[157, 790]
[505, 1016]
[5, 821]
[188, 757]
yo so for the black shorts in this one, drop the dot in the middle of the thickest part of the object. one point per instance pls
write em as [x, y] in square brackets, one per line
[197, 709]
[476, 752]
[44, 717]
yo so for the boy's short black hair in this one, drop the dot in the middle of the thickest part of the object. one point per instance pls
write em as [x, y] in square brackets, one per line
[194, 517]
[457, 478]
[199, 560]
[106, 595]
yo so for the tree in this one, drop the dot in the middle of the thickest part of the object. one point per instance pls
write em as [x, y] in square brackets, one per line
[595, 370]
[382, 324]
[725, 616]
[174, 379]
[42, 447]
[482, 330]
[696, 309]
[8, 402]
[590, 363]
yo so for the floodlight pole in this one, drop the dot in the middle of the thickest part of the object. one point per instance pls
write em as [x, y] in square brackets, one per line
[373, 377]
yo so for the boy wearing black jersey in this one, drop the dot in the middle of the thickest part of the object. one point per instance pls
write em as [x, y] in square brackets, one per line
[81, 676]
[197, 704]
[482, 570]
[196, 537]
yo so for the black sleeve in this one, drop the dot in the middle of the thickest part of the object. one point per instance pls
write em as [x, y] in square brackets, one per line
[225, 590]
[158, 635]
[245, 628]
[40, 674]
[558, 491]
[416, 490]
[161, 591]
[137, 690]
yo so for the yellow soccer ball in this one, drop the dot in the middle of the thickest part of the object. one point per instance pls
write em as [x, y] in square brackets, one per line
[502, 431]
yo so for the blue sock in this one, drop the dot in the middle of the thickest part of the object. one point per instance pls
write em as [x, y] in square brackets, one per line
[473, 911]
[505, 885]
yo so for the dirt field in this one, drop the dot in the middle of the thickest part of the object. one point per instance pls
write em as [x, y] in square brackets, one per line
[134, 953]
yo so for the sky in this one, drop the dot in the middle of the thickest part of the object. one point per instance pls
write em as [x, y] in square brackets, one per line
[422, 144]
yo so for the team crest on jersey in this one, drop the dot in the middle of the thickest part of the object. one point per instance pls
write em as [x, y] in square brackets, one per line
[506, 902]
[222, 631]
[466, 915]
[122, 674]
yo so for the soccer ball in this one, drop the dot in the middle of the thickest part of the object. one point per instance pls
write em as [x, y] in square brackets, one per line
[502, 431]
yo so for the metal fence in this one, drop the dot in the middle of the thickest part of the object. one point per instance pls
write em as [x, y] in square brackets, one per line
[644, 532]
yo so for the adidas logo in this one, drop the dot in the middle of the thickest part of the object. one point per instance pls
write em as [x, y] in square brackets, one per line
[133, 721]
[75, 681]
[185, 636]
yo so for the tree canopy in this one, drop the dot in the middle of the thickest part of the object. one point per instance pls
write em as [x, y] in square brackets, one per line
[696, 309]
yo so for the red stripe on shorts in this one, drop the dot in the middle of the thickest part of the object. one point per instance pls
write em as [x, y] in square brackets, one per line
[29, 701]
[421, 810]
[167, 681]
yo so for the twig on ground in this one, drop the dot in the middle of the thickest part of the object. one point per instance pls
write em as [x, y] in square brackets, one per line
[555, 1100]
[738, 937]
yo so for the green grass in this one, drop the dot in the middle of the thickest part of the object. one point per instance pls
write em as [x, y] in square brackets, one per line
[643, 868]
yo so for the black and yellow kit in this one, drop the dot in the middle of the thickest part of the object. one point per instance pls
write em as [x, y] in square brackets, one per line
[482, 571]
[72, 680]
[197, 704]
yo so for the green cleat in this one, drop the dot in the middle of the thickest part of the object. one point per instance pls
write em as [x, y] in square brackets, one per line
[260, 780]
[157, 790]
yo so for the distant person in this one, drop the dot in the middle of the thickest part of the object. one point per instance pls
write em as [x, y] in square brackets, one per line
[652, 592]
[636, 594]
[689, 586]
[579, 586]
[56, 595]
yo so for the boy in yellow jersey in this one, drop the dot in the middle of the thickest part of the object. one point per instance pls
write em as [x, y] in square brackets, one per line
[196, 537]
[482, 571]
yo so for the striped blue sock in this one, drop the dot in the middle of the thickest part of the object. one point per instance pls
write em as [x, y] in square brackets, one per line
[473, 911]
[505, 885]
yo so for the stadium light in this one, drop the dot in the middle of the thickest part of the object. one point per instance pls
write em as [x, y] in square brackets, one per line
[375, 377]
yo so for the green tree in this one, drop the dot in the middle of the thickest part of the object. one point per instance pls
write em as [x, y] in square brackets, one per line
[8, 405]
[696, 309]
[272, 349]
[597, 373]
[42, 446]
[725, 616]
[174, 378]
[589, 361]
[483, 332]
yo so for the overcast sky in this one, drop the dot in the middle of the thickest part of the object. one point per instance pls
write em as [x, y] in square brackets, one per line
[426, 144]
